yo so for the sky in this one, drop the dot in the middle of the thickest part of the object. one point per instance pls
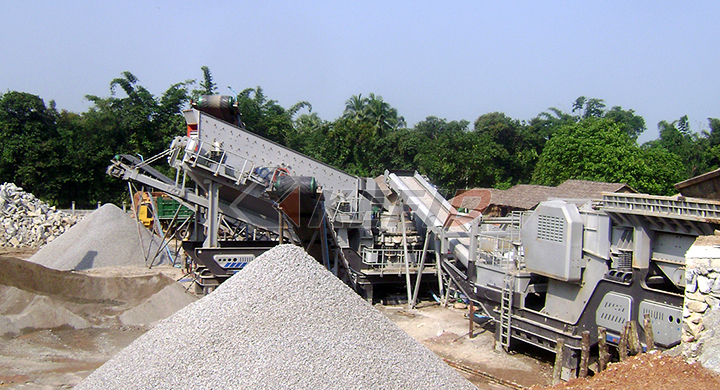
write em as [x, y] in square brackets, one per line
[454, 60]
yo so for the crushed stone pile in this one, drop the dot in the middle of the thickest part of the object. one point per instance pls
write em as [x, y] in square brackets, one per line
[282, 322]
[28, 222]
[158, 307]
[104, 238]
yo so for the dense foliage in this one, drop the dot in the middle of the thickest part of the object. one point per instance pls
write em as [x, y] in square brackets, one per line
[61, 156]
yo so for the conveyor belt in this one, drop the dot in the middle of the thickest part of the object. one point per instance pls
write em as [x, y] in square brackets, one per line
[425, 200]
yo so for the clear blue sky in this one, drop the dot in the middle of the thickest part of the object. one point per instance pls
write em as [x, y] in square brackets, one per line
[449, 59]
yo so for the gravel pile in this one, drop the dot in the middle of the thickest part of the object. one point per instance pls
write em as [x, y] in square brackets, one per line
[282, 322]
[104, 238]
[28, 222]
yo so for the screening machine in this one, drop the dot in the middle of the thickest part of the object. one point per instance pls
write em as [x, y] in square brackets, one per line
[549, 274]
[354, 226]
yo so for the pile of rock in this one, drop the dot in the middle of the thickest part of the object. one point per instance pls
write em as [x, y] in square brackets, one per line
[26, 221]
[107, 237]
[283, 322]
[701, 315]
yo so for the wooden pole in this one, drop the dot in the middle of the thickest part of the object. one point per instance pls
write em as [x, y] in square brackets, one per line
[557, 370]
[649, 335]
[623, 345]
[584, 354]
[603, 353]
[634, 339]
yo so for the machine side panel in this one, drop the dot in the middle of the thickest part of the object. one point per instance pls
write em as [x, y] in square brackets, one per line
[553, 241]
[246, 146]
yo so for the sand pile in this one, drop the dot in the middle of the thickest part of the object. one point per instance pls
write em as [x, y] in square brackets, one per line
[21, 310]
[35, 297]
[106, 237]
[282, 322]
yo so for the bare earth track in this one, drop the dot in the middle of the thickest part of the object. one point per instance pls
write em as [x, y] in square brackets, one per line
[648, 371]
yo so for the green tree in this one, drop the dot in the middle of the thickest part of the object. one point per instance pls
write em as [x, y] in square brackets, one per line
[452, 157]
[631, 124]
[142, 123]
[355, 108]
[598, 149]
[691, 148]
[207, 86]
[28, 132]
[267, 118]
[589, 108]
[713, 143]
[375, 111]
[87, 145]
[512, 154]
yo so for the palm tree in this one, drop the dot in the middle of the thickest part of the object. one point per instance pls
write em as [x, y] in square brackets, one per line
[355, 108]
[383, 117]
[127, 83]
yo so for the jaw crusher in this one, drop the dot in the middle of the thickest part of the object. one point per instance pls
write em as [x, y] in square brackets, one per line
[572, 266]
[568, 266]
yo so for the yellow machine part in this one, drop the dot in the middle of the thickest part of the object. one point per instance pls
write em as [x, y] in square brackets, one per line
[144, 211]
[145, 215]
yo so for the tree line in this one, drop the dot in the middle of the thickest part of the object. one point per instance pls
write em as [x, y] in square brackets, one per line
[61, 156]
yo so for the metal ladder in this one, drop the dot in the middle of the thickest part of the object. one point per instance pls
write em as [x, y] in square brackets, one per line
[506, 310]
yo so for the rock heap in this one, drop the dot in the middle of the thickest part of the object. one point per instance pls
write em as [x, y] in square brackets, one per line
[26, 221]
[283, 322]
[701, 314]
[107, 237]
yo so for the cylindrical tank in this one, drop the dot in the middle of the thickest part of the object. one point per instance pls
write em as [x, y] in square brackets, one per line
[285, 184]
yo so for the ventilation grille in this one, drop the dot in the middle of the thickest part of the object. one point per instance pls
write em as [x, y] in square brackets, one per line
[614, 311]
[551, 228]
[666, 322]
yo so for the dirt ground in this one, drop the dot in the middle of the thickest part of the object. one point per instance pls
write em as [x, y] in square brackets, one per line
[59, 357]
[445, 331]
[648, 371]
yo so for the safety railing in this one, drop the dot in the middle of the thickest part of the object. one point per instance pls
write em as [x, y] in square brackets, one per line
[384, 258]
[495, 251]
[345, 208]
[215, 162]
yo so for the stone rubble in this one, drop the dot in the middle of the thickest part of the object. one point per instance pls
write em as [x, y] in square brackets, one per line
[28, 222]
[701, 314]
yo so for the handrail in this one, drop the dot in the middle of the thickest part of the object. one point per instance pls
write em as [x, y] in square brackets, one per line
[216, 164]
[393, 256]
